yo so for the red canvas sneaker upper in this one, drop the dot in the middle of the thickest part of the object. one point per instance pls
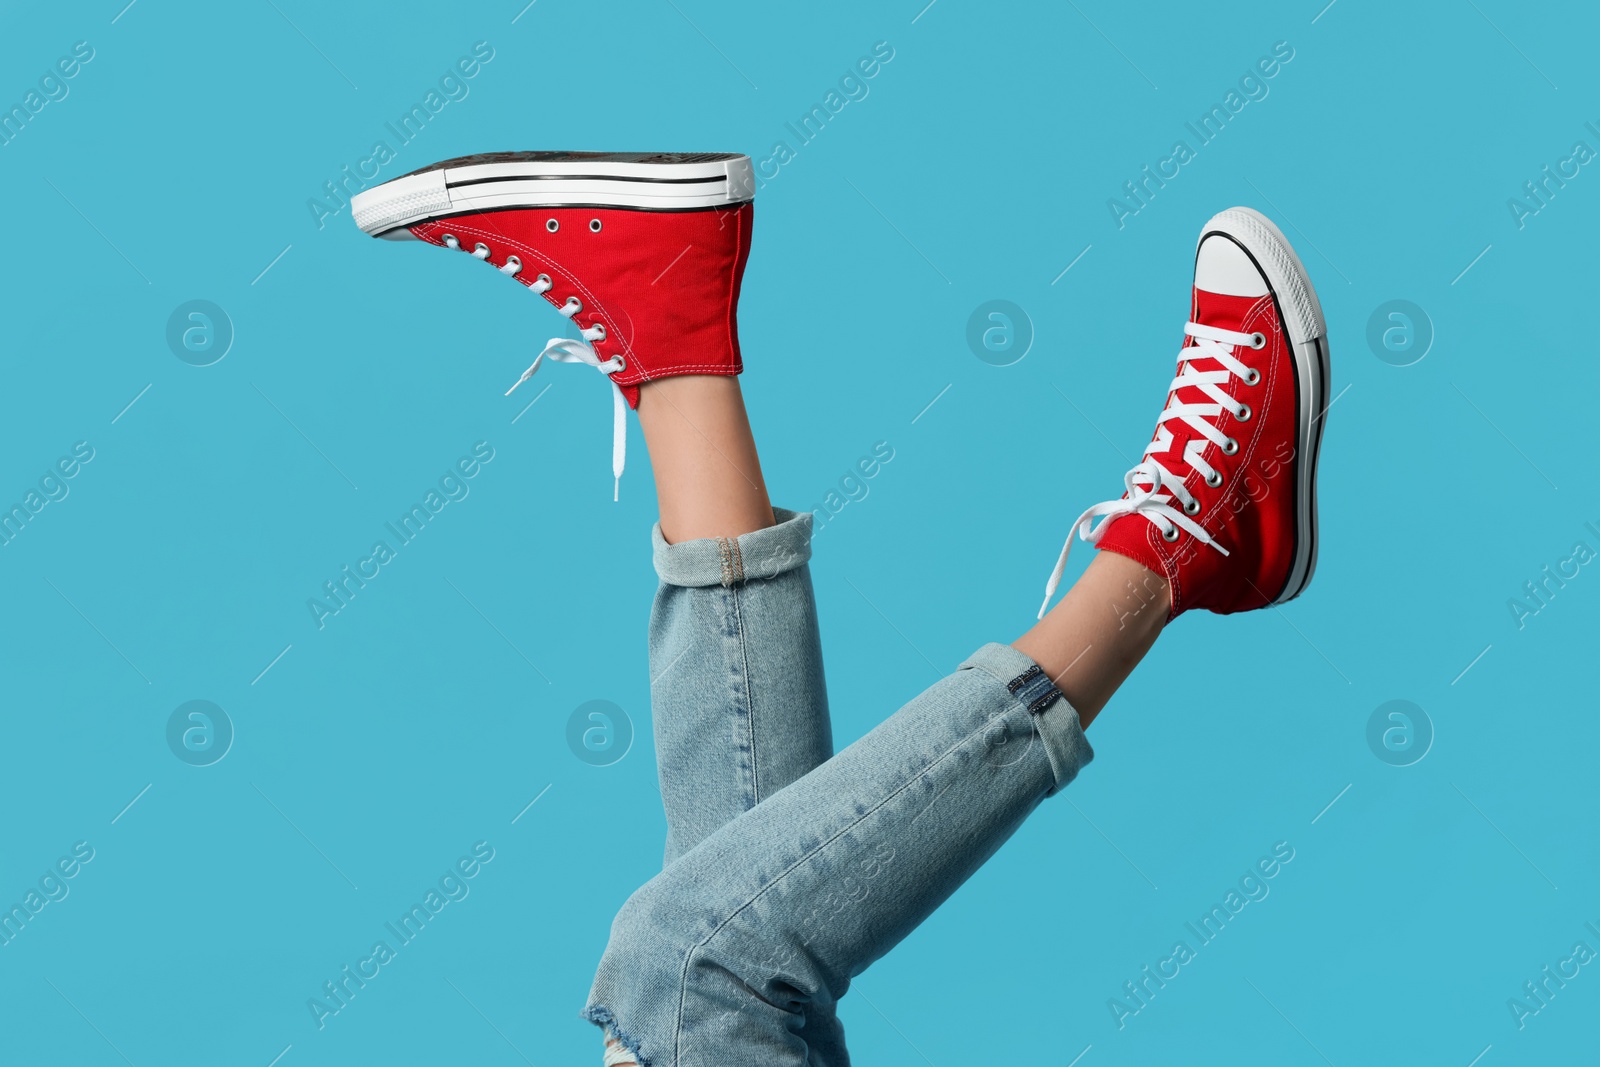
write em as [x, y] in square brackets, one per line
[653, 293]
[1212, 506]
[1234, 548]
[657, 292]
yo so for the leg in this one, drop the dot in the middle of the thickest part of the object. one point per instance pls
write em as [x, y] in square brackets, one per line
[720, 958]
[737, 693]
[652, 284]
[724, 957]
[737, 690]
[708, 477]
[1087, 661]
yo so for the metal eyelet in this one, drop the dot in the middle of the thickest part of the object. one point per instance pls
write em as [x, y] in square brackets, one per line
[450, 241]
[552, 225]
[1229, 447]
[514, 262]
[621, 360]
[1170, 534]
[602, 328]
[571, 307]
[1258, 340]
[594, 225]
[1244, 416]
[1192, 508]
[1252, 377]
[544, 280]
[1214, 479]
[480, 250]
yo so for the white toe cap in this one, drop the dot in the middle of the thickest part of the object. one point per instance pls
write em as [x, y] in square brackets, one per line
[1222, 267]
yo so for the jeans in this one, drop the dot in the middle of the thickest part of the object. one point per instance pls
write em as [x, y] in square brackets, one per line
[789, 870]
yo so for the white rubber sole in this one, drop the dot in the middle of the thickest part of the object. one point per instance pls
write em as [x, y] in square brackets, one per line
[1301, 314]
[640, 181]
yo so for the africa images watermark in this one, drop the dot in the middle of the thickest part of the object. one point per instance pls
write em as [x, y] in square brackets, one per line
[340, 591]
[52, 88]
[853, 484]
[453, 887]
[1537, 995]
[1538, 592]
[52, 487]
[1252, 86]
[452, 88]
[1538, 192]
[852, 87]
[52, 888]
[1138, 993]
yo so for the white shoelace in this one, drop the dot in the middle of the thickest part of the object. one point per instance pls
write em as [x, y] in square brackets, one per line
[1155, 503]
[569, 350]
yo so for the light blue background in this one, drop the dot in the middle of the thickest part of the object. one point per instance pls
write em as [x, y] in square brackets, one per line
[429, 713]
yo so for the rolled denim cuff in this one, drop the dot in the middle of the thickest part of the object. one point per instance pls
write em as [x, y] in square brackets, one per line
[1055, 719]
[728, 561]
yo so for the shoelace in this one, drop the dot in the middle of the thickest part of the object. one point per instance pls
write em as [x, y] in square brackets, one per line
[569, 350]
[1155, 503]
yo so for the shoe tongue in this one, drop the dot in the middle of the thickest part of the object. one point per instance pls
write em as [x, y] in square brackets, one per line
[1225, 313]
[1222, 311]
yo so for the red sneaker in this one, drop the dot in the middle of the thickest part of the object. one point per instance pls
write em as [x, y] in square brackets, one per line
[1224, 504]
[644, 251]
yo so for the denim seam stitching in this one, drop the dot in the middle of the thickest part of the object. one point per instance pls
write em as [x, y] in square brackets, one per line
[688, 958]
[754, 791]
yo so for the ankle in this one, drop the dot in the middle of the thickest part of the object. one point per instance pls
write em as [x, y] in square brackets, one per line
[1090, 641]
[708, 475]
[1143, 597]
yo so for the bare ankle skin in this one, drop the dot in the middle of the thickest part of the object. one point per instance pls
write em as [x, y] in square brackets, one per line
[1094, 637]
[708, 476]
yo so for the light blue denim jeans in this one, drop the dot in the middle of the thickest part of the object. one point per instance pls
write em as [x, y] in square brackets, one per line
[789, 870]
